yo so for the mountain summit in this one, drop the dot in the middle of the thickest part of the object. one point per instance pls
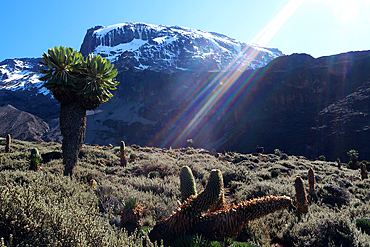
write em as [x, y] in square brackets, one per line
[168, 48]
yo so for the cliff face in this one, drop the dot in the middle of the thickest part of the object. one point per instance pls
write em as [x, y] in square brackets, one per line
[310, 106]
[292, 104]
[170, 48]
[345, 124]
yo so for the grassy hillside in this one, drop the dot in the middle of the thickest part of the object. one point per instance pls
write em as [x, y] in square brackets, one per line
[46, 208]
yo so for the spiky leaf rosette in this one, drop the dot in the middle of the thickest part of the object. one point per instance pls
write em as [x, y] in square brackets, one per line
[301, 198]
[99, 79]
[188, 213]
[229, 222]
[62, 75]
[187, 183]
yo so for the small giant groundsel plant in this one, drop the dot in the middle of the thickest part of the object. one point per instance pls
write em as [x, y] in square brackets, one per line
[311, 183]
[35, 160]
[300, 196]
[353, 154]
[78, 84]
[7, 145]
[122, 154]
[363, 171]
[131, 215]
[187, 183]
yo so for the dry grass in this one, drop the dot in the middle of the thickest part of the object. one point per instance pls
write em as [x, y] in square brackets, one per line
[330, 221]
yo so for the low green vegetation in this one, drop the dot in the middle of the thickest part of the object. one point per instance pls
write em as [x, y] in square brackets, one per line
[322, 158]
[45, 208]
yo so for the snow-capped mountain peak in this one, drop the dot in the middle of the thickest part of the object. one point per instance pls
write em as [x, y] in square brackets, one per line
[21, 73]
[167, 48]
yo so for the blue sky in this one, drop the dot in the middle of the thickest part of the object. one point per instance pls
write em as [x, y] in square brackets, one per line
[316, 27]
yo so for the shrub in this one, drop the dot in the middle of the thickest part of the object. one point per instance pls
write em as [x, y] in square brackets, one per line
[277, 152]
[190, 241]
[275, 173]
[190, 142]
[335, 195]
[153, 174]
[40, 209]
[132, 158]
[364, 225]
[322, 158]
[323, 226]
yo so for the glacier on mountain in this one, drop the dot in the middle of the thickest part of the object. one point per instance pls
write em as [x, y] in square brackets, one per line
[22, 73]
[167, 48]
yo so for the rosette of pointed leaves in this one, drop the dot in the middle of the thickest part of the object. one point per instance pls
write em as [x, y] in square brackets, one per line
[189, 212]
[62, 73]
[98, 78]
[78, 85]
[131, 215]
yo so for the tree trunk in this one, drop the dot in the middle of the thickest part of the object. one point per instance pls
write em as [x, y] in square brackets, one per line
[72, 123]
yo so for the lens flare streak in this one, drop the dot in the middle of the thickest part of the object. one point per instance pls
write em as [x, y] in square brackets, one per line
[208, 95]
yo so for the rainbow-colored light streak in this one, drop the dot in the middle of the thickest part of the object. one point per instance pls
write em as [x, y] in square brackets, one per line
[213, 101]
[220, 85]
[194, 97]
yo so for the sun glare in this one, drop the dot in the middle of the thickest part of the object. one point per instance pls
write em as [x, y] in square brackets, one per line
[346, 11]
[277, 22]
[213, 100]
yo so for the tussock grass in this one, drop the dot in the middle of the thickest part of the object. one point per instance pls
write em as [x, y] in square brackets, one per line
[46, 208]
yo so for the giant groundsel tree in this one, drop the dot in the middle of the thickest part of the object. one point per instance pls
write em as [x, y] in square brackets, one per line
[78, 84]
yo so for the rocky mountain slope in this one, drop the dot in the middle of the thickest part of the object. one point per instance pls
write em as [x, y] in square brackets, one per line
[298, 104]
[21, 125]
[21, 74]
[312, 106]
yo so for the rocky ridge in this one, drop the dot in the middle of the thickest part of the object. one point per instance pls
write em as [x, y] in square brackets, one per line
[21, 125]
[21, 74]
[169, 48]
